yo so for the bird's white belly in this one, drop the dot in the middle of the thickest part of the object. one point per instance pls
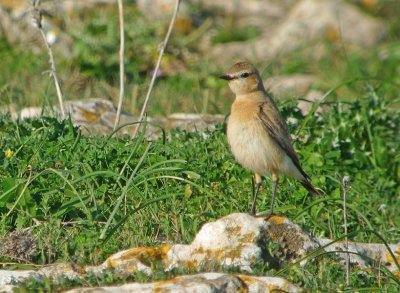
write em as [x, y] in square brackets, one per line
[253, 148]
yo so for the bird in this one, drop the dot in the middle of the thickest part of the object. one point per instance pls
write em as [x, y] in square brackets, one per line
[258, 135]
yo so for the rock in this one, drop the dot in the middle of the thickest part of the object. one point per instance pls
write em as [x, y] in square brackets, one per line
[194, 122]
[231, 241]
[334, 20]
[363, 254]
[234, 240]
[312, 97]
[162, 10]
[264, 13]
[238, 240]
[290, 85]
[206, 282]
[9, 278]
[96, 117]
[308, 21]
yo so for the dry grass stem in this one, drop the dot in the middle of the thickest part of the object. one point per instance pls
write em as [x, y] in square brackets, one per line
[154, 76]
[345, 183]
[37, 16]
[121, 63]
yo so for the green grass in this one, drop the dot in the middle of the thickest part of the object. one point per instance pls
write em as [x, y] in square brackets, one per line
[135, 192]
[91, 68]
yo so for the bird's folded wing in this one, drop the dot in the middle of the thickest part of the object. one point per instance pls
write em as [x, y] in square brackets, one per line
[277, 129]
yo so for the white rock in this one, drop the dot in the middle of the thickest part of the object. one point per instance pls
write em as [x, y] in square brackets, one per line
[96, 117]
[312, 97]
[237, 239]
[30, 112]
[9, 278]
[204, 283]
[363, 254]
[230, 240]
[289, 85]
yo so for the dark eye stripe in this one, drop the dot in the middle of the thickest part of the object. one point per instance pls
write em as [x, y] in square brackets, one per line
[245, 74]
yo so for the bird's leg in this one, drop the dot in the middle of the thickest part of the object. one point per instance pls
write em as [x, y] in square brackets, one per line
[275, 179]
[258, 185]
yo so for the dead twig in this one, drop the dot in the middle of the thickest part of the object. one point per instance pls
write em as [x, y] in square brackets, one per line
[345, 186]
[121, 63]
[153, 78]
[37, 16]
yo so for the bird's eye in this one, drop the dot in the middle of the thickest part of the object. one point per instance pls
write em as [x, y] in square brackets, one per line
[245, 74]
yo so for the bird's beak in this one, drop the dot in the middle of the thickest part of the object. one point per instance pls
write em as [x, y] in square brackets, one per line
[226, 77]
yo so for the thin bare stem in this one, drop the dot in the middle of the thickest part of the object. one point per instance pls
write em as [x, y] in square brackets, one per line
[53, 72]
[345, 182]
[121, 63]
[153, 78]
[22, 191]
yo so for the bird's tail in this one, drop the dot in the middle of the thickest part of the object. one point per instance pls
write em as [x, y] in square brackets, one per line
[314, 191]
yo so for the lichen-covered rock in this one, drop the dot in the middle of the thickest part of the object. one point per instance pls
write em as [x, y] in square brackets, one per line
[238, 240]
[207, 282]
[96, 117]
[366, 254]
[9, 278]
[230, 241]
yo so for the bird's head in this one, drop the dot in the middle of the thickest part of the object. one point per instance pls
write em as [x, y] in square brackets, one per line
[243, 78]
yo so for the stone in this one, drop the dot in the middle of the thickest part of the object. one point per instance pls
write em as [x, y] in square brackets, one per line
[364, 254]
[194, 122]
[268, 11]
[238, 240]
[231, 241]
[334, 20]
[289, 85]
[206, 282]
[313, 96]
[9, 278]
[162, 10]
[308, 21]
[96, 117]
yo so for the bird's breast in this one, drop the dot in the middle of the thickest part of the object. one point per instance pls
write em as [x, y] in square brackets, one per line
[249, 142]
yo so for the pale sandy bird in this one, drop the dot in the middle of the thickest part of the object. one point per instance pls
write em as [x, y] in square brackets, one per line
[257, 134]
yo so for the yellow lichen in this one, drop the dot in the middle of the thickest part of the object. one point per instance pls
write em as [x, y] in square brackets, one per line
[247, 279]
[146, 255]
[277, 220]
[199, 250]
[275, 289]
[248, 238]
[89, 116]
[389, 258]
[233, 231]
[191, 264]
[159, 285]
